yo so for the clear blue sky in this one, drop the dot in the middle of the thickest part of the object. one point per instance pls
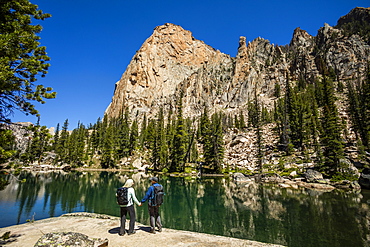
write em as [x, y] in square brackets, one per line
[91, 42]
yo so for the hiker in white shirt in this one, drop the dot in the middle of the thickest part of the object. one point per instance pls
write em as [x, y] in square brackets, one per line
[129, 208]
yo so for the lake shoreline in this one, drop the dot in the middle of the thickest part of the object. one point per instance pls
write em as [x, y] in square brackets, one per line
[266, 178]
[107, 227]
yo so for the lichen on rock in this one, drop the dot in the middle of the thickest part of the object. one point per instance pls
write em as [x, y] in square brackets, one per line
[70, 239]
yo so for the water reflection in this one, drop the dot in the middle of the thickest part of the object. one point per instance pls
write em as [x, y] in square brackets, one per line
[293, 217]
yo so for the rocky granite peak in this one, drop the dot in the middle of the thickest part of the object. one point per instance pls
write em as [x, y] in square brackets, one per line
[301, 39]
[167, 58]
[172, 62]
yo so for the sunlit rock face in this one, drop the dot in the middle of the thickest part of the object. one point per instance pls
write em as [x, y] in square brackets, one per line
[169, 60]
[172, 62]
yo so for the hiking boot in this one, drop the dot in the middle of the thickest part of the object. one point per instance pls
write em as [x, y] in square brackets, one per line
[152, 231]
[133, 232]
[160, 229]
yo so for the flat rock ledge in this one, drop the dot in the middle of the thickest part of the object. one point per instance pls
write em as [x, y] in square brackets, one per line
[102, 230]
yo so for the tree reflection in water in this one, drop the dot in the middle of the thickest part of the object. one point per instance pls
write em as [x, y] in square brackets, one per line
[293, 217]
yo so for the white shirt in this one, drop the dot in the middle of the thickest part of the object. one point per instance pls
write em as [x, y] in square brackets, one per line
[131, 198]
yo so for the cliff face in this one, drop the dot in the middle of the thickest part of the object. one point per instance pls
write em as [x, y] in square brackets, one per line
[166, 61]
[171, 61]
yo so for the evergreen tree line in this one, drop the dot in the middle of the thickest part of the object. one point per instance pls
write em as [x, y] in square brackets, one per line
[168, 142]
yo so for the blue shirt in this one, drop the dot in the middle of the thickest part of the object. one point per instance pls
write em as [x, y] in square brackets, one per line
[149, 196]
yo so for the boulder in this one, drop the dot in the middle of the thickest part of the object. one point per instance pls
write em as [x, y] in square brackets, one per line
[70, 239]
[270, 178]
[313, 176]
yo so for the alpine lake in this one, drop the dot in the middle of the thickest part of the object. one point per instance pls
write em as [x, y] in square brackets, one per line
[214, 205]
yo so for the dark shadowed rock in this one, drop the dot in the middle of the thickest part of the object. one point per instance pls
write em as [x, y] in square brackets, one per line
[364, 179]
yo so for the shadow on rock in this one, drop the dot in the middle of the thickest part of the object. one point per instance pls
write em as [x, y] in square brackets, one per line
[144, 228]
[8, 238]
[114, 230]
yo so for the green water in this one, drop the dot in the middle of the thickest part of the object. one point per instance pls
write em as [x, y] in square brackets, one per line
[219, 206]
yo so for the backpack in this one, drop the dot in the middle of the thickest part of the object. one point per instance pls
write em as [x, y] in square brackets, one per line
[158, 195]
[122, 196]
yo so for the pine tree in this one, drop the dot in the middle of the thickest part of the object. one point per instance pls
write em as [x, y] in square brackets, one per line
[204, 125]
[157, 142]
[62, 146]
[206, 139]
[7, 142]
[191, 130]
[194, 154]
[257, 126]
[236, 122]
[77, 141]
[97, 136]
[277, 90]
[217, 143]
[293, 113]
[108, 147]
[153, 143]
[354, 109]
[162, 141]
[312, 126]
[178, 151]
[56, 137]
[242, 124]
[134, 137]
[123, 136]
[39, 144]
[143, 132]
[331, 135]
[365, 109]
[22, 58]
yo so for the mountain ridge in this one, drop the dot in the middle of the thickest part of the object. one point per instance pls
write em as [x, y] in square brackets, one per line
[171, 61]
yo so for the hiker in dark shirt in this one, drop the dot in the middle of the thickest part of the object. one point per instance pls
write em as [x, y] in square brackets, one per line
[155, 218]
